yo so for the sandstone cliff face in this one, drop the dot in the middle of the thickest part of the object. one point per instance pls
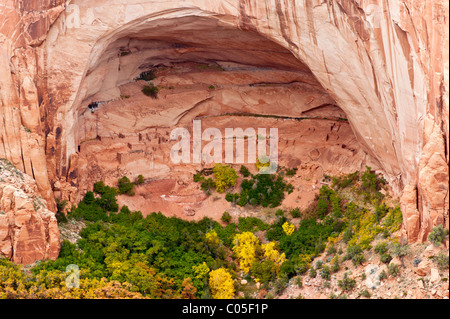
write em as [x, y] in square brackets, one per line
[28, 230]
[385, 63]
[26, 234]
[23, 28]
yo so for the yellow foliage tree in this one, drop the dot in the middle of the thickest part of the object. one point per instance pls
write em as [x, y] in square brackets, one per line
[224, 177]
[221, 284]
[245, 247]
[201, 270]
[273, 254]
[288, 228]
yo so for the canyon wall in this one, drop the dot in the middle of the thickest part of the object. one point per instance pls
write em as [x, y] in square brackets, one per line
[385, 63]
[28, 229]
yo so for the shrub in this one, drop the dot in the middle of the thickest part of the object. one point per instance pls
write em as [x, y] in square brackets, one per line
[126, 186]
[232, 198]
[393, 220]
[348, 234]
[244, 171]
[319, 264]
[331, 250]
[150, 90]
[302, 264]
[393, 270]
[226, 217]
[295, 213]
[198, 177]
[325, 272]
[371, 186]
[279, 213]
[442, 261]
[345, 181]
[369, 180]
[207, 184]
[264, 271]
[385, 258]
[358, 259]
[60, 215]
[437, 235]
[291, 171]
[367, 229]
[416, 261]
[346, 283]
[365, 293]
[399, 250]
[355, 253]
[381, 247]
[139, 180]
[299, 281]
[280, 284]
[335, 266]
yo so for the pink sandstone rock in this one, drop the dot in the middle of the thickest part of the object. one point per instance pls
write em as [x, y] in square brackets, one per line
[28, 230]
[384, 63]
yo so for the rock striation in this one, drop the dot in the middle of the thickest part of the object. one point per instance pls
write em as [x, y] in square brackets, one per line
[384, 63]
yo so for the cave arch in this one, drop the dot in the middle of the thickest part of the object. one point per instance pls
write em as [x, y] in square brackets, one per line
[346, 90]
[258, 68]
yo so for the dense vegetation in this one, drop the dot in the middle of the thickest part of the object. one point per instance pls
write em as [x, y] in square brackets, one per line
[123, 254]
[265, 190]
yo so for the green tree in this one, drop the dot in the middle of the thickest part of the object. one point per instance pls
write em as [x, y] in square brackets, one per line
[126, 186]
[226, 217]
[244, 171]
[139, 180]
